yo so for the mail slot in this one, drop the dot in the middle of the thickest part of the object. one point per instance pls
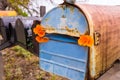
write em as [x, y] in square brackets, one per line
[23, 31]
[65, 24]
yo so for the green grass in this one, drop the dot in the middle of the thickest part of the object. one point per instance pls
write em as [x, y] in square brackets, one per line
[21, 52]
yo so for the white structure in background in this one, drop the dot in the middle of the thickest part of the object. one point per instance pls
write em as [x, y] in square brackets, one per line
[34, 5]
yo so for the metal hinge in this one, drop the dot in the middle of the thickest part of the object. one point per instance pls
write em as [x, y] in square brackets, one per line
[97, 38]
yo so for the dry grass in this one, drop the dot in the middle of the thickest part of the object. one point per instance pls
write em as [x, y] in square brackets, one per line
[20, 64]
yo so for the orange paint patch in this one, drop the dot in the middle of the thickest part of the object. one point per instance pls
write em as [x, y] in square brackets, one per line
[41, 39]
[38, 28]
[85, 40]
[40, 31]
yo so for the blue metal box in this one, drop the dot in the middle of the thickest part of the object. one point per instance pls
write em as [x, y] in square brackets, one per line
[62, 55]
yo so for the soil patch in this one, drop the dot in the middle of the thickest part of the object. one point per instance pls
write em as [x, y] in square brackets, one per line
[20, 64]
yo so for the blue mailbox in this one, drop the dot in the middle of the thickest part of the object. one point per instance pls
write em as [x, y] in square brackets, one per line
[62, 55]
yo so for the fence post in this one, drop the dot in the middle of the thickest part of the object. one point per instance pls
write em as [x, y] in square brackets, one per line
[42, 11]
[1, 67]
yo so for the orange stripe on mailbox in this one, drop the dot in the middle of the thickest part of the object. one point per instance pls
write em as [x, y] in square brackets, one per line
[8, 13]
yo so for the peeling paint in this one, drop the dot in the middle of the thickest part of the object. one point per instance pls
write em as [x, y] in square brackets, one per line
[64, 30]
[71, 9]
[46, 19]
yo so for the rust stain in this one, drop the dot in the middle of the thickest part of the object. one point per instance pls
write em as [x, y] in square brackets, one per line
[64, 30]
[62, 6]
[47, 19]
[106, 21]
[71, 9]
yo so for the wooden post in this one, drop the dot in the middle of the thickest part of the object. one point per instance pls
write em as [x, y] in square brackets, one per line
[42, 11]
[1, 67]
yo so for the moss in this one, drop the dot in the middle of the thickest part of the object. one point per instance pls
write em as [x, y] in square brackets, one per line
[22, 52]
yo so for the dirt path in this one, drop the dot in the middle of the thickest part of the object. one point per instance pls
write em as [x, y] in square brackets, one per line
[22, 65]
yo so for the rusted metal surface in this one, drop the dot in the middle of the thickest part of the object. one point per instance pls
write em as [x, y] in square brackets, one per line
[100, 22]
[70, 21]
[104, 20]
[62, 55]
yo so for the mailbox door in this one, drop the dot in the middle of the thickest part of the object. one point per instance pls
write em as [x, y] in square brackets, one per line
[62, 55]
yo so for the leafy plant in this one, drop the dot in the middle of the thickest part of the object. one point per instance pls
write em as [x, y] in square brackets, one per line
[18, 6]
[22, 52]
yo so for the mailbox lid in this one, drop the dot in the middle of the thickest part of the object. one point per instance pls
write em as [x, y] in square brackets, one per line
[66, 19]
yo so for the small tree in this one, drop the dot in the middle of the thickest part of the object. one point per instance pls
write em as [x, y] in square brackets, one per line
[18, 6]
[3, 4]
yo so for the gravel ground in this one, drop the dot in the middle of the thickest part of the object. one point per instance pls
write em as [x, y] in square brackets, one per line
[22, 65]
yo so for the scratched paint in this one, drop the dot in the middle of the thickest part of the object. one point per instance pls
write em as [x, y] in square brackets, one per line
[66, 20]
